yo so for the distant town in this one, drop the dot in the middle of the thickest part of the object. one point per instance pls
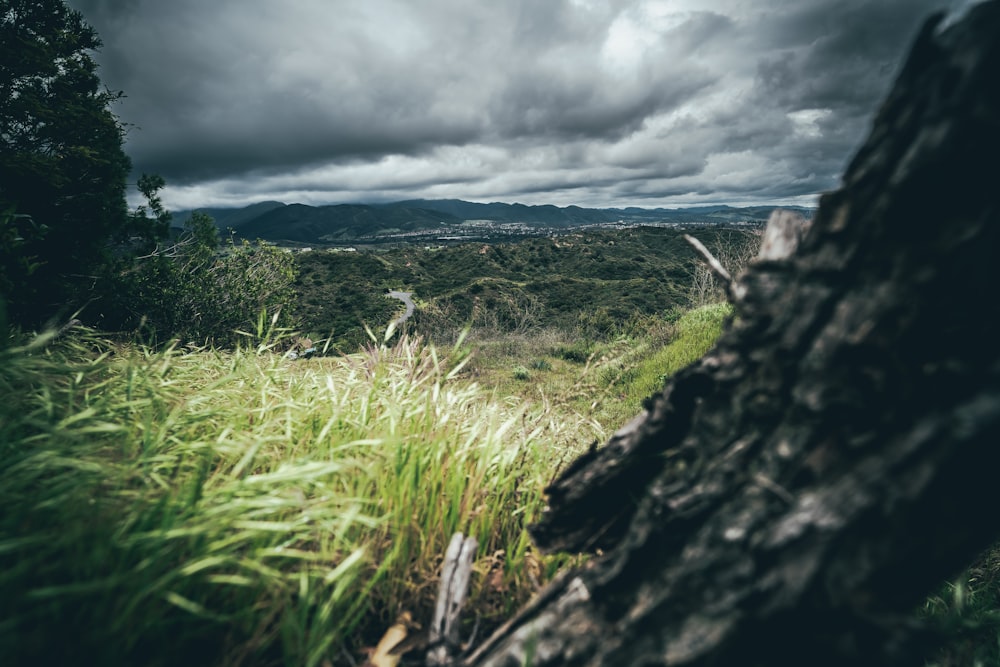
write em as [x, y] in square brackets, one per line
[455, 221]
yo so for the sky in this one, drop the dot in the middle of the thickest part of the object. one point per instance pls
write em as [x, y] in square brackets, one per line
[602, 103]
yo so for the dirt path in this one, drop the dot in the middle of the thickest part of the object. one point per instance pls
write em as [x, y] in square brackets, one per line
[405, 298]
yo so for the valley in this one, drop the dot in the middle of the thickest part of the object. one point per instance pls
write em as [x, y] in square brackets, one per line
[591, 283]
[452, 221]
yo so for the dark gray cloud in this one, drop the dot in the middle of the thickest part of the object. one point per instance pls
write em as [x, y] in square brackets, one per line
[593, 102]
[839, 54]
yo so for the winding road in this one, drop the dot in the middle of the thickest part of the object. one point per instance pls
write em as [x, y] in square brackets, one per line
[405, 298]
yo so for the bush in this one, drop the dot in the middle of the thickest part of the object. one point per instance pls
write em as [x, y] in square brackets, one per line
[541, 365]
[16, 264]
[194, 292]
[578, 352]
[734, 250]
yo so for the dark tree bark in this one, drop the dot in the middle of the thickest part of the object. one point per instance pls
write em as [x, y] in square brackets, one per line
[789, 499]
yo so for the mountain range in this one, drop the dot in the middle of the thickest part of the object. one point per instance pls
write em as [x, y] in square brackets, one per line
[343, 223]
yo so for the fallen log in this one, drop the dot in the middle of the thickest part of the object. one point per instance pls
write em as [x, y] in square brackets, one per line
[791, 497]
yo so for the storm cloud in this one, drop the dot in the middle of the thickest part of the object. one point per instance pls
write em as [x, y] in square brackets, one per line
[588, 102]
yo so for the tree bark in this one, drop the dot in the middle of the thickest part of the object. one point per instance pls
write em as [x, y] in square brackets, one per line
[791, 498]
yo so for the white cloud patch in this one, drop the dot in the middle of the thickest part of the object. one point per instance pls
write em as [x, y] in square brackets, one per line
[806, 122]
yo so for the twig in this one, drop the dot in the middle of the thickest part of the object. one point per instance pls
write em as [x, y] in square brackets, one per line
[444, 639]
[715, 266]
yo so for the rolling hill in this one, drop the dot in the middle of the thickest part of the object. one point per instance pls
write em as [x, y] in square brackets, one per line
[345, 223]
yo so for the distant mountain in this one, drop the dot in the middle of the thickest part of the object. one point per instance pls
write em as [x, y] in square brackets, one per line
[572, 216]
[706, 214]
[299, 223]
[341, 222]
[546, 215]
[230, 217]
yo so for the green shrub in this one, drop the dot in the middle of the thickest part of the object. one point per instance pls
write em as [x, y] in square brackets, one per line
[17, 264]
[194, 292]
[577, 352]
[541, 365]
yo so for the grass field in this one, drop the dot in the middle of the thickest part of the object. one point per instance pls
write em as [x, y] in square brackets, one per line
[241, 508]
[206, 507]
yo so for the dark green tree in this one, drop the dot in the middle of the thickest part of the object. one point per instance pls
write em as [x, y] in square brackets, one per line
[63, 169]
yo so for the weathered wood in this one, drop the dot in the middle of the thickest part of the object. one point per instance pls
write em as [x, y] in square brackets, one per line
[444, 637]
[791, 497]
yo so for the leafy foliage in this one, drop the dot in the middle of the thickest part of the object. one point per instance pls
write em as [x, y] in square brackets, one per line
[967, 612]
[17, 232]
[61, 157]
[193, 291]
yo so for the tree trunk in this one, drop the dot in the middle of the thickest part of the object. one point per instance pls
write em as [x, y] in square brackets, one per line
[789, 499]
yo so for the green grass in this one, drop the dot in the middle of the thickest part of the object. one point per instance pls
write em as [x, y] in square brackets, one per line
[647, 367]
[967, 612]
[603, 382]
[241, 508]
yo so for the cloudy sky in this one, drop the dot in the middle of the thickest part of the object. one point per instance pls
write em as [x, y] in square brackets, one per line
[587, 102]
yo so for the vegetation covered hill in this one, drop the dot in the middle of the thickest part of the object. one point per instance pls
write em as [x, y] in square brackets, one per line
[205, 503]
[593, 284]
[226, 218]
[346, 223]
[338, 223]
[210, 507]
[547, 215]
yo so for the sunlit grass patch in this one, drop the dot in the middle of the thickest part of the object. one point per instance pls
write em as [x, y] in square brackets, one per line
[695, 333]
[629, 371]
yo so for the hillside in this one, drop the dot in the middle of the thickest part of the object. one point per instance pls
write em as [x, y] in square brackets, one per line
[342, 222]
[230, 217]
[339, 224]
[593, 283]
[547, 215]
